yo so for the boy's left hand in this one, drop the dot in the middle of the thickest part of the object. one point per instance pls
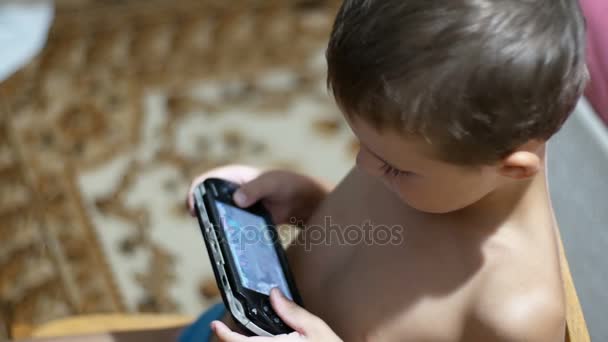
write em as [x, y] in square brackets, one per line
[307, 326]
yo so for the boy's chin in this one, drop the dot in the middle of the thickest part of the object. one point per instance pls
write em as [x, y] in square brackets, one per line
[429, 208]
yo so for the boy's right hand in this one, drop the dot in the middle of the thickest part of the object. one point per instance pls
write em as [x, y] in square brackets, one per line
[289, 197]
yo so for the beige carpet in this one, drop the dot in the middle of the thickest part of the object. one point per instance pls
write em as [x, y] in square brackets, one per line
[101, 134]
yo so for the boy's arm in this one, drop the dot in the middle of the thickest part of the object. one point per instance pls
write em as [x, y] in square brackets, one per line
[287, 195]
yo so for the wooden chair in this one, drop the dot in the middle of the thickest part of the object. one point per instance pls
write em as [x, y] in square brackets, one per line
[576, 328]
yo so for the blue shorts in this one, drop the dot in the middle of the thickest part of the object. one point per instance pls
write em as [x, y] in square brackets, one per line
[200, 330]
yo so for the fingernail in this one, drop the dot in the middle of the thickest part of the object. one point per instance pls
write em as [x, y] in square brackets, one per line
[278, 291]
[239, 197]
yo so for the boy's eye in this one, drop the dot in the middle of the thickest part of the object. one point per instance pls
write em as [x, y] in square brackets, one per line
[391, 171]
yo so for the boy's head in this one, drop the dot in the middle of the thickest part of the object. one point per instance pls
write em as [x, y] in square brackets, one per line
[474, 87]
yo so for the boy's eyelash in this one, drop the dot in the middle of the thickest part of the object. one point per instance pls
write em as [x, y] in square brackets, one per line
[391, 171]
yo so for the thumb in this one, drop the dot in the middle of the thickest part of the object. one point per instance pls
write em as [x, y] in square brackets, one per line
[294, 315]
[255, 190]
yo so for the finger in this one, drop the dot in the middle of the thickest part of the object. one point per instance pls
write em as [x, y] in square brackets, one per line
[255, 190]
[279, 211]
[292, 314]
[225, 334]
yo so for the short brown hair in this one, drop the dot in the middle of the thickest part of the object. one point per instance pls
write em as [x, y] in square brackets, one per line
[476, 78]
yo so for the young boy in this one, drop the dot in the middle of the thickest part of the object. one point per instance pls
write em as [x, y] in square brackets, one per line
[453, 102]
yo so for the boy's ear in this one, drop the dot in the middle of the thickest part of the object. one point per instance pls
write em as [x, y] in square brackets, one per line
[524, 162]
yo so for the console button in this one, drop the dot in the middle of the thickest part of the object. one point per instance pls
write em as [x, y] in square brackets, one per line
[270, 316]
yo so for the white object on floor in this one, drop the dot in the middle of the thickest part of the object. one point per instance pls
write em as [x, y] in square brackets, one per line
[24, 26]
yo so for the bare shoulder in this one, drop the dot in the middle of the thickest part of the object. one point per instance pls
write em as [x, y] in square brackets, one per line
[518, 301]
[533, 316]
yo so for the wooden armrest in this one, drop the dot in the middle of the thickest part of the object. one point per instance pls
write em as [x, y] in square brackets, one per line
[576, 328]
[103, 323]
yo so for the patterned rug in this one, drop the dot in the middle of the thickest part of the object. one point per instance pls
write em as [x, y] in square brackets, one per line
[102, 132]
